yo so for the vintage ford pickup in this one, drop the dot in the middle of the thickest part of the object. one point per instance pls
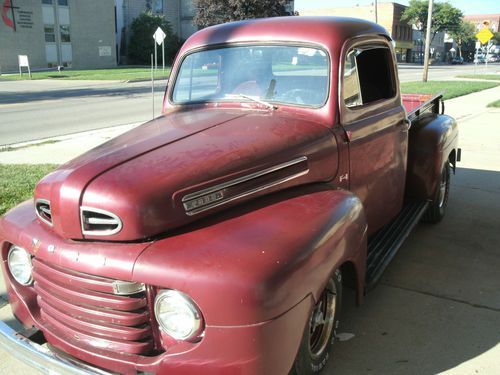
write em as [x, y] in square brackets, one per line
[216, 239]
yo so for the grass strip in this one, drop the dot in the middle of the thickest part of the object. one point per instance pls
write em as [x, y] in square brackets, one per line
[118, 74]
[491, 77]
[451, 89]
[495, 104]
[17, 182]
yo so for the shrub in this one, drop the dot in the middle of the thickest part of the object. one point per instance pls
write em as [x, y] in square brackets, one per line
[141, 43]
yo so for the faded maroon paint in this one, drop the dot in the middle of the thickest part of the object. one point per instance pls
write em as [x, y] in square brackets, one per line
[257, 260]
[433, 142]
[378, 146]
[256, 270]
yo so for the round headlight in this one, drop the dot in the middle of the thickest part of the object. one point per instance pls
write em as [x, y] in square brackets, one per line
[178, 315]
[19, 261]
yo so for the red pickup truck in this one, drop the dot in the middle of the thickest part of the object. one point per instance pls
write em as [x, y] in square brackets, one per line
[217, 238]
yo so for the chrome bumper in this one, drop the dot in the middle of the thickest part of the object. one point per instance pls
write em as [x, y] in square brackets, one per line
[40, 357]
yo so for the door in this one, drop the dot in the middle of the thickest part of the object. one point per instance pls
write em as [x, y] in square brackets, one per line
[375, 124]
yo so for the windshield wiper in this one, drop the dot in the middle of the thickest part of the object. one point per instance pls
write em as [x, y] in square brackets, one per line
[253, 99]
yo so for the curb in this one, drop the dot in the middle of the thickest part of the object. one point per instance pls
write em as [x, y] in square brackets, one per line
[14, 146]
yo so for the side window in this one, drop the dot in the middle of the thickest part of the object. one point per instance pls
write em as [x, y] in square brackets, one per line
[373, 75]
[352, 92]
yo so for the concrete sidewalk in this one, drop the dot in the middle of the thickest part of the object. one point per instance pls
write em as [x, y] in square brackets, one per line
[437, 308]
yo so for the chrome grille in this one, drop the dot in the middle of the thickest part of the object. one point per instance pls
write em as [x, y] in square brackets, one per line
[82, 307]
[97, 222]
[42, 208]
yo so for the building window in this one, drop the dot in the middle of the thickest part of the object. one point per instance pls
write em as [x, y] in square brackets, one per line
[48, 2]
[64, 30]
[50, 36]
[158, 6]
[62, 3]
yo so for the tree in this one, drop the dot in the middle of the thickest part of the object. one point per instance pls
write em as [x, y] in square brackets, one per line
[141, 43]
[463, 34]
[213, 12]
[496, 37]
[445, 17]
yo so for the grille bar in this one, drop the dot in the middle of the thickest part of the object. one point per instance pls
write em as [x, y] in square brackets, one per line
[85, 308]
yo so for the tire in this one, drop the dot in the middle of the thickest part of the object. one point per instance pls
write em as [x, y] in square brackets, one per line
[437, 208]
[320, 331]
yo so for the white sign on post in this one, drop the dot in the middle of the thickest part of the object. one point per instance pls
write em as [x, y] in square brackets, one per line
[23, 63]
[159, 37]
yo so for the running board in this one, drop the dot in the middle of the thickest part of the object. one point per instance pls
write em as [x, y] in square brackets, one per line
[383, 245]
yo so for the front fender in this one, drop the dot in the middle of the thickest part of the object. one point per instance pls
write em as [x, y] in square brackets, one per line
[255, 262]
[433, 138]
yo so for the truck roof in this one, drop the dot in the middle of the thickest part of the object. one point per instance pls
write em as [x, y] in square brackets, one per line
[330, 32]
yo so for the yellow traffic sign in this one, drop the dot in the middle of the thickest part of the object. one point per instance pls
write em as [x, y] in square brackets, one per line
[484, 35]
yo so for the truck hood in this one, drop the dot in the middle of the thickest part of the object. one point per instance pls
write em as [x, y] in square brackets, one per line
[181, 167]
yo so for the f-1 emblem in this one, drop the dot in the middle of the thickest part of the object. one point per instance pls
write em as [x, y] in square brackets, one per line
[344, 177]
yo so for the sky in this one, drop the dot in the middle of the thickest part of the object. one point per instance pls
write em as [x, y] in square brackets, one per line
[466, 6]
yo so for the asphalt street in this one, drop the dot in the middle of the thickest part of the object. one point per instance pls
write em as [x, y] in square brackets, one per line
[31, 110]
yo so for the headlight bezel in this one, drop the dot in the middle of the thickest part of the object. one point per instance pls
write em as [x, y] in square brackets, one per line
[29, 264]
[198, 324]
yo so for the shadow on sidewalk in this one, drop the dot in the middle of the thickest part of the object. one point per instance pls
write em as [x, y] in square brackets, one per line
[438, 304]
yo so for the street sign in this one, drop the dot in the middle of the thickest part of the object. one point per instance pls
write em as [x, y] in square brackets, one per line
[159, 36]
[484, 35]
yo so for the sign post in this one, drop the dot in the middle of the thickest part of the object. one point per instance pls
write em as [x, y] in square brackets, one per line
[484, 36]
[23, 63]
[159, 37]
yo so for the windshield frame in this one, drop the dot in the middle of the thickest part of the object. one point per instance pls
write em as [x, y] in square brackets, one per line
[252, 44]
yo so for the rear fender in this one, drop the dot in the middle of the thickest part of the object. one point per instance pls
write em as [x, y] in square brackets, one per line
[257, 261]
[432, 143]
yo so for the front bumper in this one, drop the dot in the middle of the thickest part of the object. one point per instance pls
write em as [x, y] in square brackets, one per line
[40, 357]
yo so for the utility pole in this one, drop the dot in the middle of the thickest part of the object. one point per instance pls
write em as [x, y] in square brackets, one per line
[427, 42]
[376, 14]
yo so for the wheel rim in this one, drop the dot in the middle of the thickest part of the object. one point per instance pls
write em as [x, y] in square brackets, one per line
[322, 320]
[442, 190]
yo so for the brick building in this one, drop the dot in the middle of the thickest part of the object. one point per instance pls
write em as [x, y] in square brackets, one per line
[73, 33]
[479, 20]
[389, 16]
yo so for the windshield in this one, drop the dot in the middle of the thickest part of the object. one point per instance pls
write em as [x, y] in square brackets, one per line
[278, 74]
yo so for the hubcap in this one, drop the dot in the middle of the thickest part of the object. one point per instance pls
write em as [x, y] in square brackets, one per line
[322, 320]
[442, 190]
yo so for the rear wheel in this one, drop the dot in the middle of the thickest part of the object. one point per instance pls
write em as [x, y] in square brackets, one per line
[319, 334]
[436, 210]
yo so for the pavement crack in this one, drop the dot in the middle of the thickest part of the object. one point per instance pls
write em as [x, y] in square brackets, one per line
[435, 295]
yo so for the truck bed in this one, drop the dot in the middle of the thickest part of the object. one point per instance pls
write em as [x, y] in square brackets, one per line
[416, 104]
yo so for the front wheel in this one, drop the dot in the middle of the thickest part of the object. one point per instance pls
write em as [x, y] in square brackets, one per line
[319, 334]
[435, 211]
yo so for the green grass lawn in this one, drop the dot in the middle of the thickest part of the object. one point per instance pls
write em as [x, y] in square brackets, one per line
[119, 74]
[495, 104]
[451, 89]
[493, 77]
[17, 182]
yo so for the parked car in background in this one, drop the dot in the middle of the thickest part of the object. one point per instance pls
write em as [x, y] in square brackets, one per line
[457, 60]
[493, 58]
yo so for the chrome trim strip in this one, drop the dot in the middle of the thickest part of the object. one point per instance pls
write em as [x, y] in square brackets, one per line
[45, 201]
[125, 288]
[239, 180]
[102, 212]
[40, 357]
[246, 193]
